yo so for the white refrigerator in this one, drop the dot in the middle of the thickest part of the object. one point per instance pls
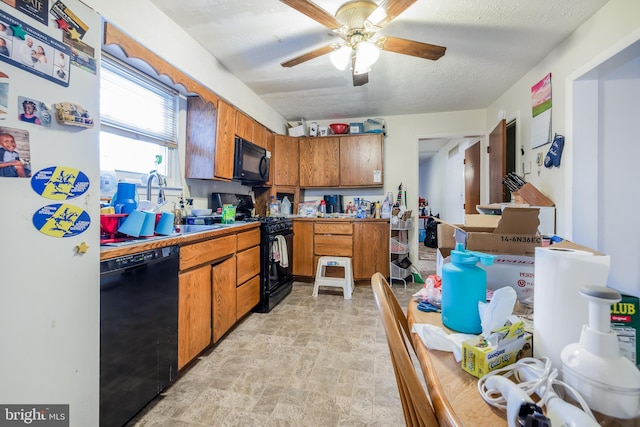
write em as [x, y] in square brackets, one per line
[49, 212]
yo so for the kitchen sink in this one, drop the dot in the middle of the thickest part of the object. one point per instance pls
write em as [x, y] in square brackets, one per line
[196, 228]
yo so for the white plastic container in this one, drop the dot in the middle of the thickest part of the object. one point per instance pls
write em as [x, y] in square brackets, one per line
[285, 206]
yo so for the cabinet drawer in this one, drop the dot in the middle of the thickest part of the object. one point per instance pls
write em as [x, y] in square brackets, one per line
[247, 296]
[248, 239]
[333, 228]
[248, 264]
[206, 252]
[333, 245]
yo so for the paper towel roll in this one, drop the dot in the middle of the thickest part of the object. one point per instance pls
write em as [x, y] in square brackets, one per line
[558, 309]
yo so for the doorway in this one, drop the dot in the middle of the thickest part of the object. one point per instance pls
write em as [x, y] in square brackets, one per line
[502, 159]
[604, 164]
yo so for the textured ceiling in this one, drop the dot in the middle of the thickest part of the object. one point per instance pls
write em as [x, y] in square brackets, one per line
[490, 44]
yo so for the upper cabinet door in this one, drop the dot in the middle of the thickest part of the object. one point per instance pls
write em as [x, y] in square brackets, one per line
[361, 161]
[319, 162]
[225, 142]
[201, 138]
[244, 126]
[260, 135]
[285, 164]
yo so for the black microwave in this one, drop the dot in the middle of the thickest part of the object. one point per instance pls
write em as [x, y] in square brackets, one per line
[251, 162]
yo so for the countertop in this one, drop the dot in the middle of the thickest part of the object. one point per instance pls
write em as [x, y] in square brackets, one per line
[107, 252]
[339, 219]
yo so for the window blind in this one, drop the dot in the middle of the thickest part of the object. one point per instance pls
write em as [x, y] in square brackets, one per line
[133, 102]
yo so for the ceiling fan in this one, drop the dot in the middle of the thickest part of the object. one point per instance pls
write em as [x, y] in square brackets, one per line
[357, 23]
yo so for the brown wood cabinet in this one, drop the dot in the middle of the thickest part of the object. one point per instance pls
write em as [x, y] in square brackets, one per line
[320, 162]
[372, 239]
[194, 313]
[244, 126]
[331, 238]
[225, 141]
[303, 247]
[219, 282]
[201, 138]
[210, 145]
[361, 160]
[345, 161]
[259, 135]
[366, 242]
[223, 299]
[285, 163]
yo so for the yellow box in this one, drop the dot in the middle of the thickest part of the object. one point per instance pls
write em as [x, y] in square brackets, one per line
[479, 357]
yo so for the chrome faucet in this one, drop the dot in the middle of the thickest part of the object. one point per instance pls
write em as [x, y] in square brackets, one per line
[161, 181]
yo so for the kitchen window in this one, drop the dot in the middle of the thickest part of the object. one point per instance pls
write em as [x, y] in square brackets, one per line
[139, 124]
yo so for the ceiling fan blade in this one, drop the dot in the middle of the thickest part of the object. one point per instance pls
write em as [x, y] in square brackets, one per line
[392, 9]
[411, 47]
[308, 56]
[314, 12]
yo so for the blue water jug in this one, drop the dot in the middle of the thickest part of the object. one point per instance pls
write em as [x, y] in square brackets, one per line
[464, 284]
[124, 201]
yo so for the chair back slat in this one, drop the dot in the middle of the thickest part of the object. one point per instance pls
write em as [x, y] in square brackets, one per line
[415, 403]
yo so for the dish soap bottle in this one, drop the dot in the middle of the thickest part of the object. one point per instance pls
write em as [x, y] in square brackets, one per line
[177, 217]
[386, 209]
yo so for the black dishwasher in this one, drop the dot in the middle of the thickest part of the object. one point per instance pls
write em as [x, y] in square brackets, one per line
[138, 331]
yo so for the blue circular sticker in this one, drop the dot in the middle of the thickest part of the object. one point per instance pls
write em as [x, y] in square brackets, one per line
[59, 183]
[61, 220]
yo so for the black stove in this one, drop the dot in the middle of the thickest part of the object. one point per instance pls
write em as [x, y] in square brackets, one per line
[276, 261]
[274, 225]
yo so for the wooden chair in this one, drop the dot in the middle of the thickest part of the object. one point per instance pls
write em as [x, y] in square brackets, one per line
[415, 403]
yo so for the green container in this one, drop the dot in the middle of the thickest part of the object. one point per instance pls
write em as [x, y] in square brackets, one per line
[228, 214]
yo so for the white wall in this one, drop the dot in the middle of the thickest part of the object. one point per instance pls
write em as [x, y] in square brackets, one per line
[608, 28]
[401, 148]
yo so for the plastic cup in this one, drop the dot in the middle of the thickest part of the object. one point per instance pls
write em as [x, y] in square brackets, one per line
[165, 225]
[132, 225]
[148, 224]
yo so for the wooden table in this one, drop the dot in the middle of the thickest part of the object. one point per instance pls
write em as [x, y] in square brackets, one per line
[454, 392]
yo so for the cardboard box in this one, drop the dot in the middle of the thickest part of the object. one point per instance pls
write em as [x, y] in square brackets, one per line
[480, 357]
[297, 131]
[516, 233]
[356, 128]
[313, 129]
[625, 321]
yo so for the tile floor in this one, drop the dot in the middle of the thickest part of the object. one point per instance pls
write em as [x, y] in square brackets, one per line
[309, 362]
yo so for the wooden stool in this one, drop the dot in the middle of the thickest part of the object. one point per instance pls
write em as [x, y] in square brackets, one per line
[346, 282]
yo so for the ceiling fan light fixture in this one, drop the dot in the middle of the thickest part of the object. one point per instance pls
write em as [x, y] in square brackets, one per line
[367, 53]
[340, 57]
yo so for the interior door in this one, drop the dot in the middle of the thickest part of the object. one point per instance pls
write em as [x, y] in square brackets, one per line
[472, 178]
[498, 163]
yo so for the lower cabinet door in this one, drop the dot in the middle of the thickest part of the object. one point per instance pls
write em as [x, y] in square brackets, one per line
[224, 297]
[248, 296]
[194, 313]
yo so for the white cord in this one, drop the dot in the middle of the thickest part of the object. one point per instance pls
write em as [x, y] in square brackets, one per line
[542, 377]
